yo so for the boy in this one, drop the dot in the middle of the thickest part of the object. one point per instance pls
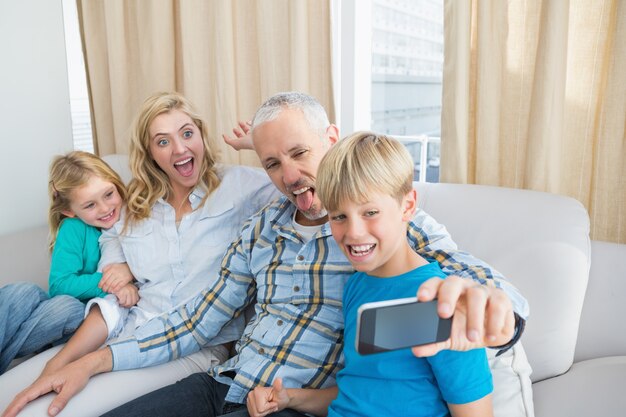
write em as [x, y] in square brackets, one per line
[365, 182]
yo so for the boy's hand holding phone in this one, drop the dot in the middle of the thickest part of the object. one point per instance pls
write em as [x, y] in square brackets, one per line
[447, 314]
[469, 303]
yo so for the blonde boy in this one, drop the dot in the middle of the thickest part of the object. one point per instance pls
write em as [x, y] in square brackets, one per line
[366, 184]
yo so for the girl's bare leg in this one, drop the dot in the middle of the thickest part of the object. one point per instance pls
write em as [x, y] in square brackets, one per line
[89, 337]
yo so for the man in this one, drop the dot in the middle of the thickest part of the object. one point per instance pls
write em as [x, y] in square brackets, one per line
[288, 266]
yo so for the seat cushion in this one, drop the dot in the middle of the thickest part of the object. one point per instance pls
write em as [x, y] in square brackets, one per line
[588, 389]
[605, 303]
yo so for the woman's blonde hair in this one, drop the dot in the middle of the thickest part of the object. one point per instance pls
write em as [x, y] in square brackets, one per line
[69, 172]
[149, 182]
[360, 164]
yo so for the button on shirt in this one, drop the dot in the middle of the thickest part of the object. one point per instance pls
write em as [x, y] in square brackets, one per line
[265, 266]
[173, 264]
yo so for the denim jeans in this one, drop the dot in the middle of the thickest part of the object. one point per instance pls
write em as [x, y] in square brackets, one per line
[30, 320]
[197, 395]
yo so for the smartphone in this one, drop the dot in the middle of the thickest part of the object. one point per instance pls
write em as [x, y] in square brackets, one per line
[395, 324]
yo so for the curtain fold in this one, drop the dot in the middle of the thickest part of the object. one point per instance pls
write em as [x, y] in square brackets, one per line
[534, 97]
[227, 57]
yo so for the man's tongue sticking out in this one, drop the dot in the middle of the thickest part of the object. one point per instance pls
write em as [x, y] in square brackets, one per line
[304, 200]
[185, 169]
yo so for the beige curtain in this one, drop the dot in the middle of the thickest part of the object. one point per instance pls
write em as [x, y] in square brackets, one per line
[226, 56]
[535, 97]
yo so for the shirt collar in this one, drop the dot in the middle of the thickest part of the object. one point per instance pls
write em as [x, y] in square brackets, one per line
[281, 219]
[218, 202]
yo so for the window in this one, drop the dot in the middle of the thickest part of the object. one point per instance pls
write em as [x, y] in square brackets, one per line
[399, 43]
[79, 97]
[388, 69]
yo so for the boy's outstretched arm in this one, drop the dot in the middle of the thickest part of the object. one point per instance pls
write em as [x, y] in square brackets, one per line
[479, 408]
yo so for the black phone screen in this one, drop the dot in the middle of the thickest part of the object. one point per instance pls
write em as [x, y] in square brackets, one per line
[393, 327]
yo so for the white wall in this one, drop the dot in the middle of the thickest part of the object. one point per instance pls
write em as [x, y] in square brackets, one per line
[35, 119]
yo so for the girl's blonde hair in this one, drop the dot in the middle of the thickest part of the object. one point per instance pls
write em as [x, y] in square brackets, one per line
[149, 182]
[361, 164]
[69, 172]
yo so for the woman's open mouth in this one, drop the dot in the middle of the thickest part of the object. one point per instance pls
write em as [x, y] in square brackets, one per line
[184, 167]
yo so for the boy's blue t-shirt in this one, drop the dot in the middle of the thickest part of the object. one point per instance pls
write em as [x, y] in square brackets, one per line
[397, 383]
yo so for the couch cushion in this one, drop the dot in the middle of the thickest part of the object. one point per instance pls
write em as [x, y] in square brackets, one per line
[540, 242]
[602, 330]
[119, 162]
[588, 389]
[104, 391]
[512, 389]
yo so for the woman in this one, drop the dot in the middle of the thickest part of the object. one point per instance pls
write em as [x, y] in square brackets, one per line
[183, 211]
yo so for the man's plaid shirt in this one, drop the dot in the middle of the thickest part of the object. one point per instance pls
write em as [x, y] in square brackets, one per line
[296, 288]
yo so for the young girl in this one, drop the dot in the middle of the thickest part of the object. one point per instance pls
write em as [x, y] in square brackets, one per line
[86, 195]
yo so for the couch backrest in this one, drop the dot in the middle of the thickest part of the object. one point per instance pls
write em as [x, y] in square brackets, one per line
[24, 257]
[540, 242]
[119, 163]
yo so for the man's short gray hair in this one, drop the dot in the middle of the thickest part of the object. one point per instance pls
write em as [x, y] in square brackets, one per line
[314, 113]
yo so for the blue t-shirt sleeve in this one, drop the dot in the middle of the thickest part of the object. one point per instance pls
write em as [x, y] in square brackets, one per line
[462, 377]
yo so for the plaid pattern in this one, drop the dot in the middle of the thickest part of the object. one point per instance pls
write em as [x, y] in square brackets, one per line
[296, 289]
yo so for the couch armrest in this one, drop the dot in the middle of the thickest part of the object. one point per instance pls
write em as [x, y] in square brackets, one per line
[602, 328]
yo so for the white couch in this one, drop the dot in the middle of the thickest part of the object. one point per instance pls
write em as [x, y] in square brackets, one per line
[541, 243]
[575, 337]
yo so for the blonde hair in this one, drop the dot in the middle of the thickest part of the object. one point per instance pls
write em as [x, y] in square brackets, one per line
[360, 164]
[69, 172]
[149, 182]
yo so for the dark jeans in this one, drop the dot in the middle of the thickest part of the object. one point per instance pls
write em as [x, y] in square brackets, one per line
[197, 395]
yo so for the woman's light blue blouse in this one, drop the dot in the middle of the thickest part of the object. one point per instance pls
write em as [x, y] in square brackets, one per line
[173, 264]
